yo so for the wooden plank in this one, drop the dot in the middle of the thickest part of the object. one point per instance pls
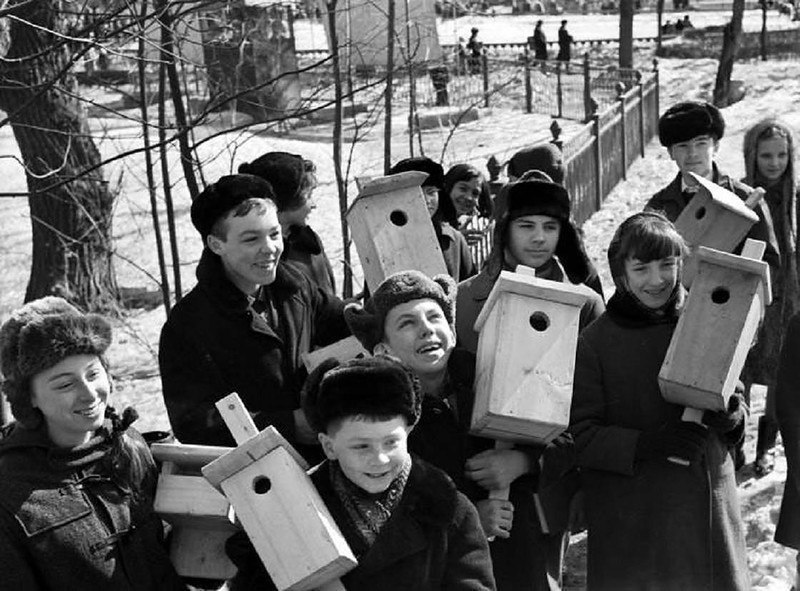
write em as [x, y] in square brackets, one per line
[192, 457]
[390, 183]
[236, 417]
[191, 500]
[200, 553]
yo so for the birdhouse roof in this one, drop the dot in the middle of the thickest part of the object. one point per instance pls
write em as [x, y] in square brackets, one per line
[534, 288]
[739, 263]
[725, 198]
[389, 184]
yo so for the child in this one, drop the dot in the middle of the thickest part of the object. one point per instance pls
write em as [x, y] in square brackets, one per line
[468, 192]
[77, 486]
[293, 180]
[405, 521]
[652, 523]
[410, 317]
[544, 157]
[457, 257]
[769, 163]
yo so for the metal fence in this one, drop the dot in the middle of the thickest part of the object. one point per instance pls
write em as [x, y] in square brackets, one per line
[699, 43]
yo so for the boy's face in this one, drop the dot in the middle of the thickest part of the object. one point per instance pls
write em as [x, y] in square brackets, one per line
[532, 240]
[250, 251]
[417, 333]
[652, 282]
[695, 155]
[371, 453]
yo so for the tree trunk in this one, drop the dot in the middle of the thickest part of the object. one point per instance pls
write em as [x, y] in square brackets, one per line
[70, 202]
[660, 13]
[626, 34]
[730, 45]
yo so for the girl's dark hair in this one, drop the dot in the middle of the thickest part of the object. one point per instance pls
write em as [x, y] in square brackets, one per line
[463, 172]
[646, 236]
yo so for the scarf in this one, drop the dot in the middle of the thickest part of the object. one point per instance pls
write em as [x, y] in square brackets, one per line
[625, 308]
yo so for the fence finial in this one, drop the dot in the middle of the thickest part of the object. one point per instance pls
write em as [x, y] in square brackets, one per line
[494, 167]
[555, 129]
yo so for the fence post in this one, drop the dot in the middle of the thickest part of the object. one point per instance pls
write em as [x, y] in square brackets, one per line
[485, 67]
[658, 98]
[559, 91]
[528, 88]
[640, 92]
[624, 140]
[587, 88]
[598, 156]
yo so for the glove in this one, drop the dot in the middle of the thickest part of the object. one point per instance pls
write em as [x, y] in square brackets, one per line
[725, 421]
[681, 439]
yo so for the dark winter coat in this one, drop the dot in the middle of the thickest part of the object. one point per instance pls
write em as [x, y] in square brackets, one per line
[64, 524]
[210, 348]
[564, 44]
[787, 401]
[442, 438]
[671, 202]
[432, 541]
[652, 524]
[457, 257]
[539, 44]
[304, 248]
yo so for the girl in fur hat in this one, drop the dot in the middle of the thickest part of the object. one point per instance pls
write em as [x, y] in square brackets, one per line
[769, 163]
[76, 496]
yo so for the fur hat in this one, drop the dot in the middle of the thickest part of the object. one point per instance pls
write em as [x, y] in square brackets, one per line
[286, 173]
[367, 322]
[39, 335]
[537, 194]
[217, 199]
[373, 387]
[545, 157]
[422, 164]
[689, 119]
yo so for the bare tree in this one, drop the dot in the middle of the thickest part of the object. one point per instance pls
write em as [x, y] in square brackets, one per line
[626, 33]
[730, 45]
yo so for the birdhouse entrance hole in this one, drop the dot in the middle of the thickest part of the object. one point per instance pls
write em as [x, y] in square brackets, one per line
[700, 213]
[398, 217]
[720, 295]
[539, 321]
[261, 485]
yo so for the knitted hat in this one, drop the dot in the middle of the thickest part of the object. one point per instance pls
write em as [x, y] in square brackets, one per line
[422, 164]
[217, 199]
[545, 157]
[286, 173]
[367, 322]
[537, 194]
[39, 335]
[686, 120]
[371, 387]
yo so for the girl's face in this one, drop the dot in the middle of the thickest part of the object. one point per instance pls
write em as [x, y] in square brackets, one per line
[431, 194]
[653, 282]
[465, 195]
[772, 157]
[298, 216]
[72, 395]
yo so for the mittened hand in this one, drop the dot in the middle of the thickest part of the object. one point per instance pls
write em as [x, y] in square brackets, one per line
[725, 421]
[683, 440]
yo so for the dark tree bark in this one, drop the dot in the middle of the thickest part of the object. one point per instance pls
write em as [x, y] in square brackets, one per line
[626, 33]
[730, 45]
[70, 202]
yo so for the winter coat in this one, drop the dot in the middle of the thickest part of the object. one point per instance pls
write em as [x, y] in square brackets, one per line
[211, 347]
[539, 44]
[442, 438]
[457, 257]
[787, 401]
[432, 541]
[671, 202]
[652, 524]
[65, 524]
[304, 248]
[564, 44]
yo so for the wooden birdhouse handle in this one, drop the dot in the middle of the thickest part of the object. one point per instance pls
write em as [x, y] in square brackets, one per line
[335, 585]
[755, 197]
[236, 417]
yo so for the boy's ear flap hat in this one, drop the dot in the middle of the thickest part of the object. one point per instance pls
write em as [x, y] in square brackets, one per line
[39, 335]
[367, 322]
[373, 387]
[285, 173]
[422, 164]
[686, 120]
[545, 157]
[219, 198]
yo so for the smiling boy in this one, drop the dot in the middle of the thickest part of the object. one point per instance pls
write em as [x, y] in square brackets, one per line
[244, 326]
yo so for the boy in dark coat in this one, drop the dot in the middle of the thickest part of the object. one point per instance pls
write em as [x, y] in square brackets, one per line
[404, 520]
[293, 179]
[245, 325]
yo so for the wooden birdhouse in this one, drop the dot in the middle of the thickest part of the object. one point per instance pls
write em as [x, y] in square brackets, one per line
[715, 218]
[526, 358]
[202, 519]
[265, 480]
[392, 229]
[716, 329]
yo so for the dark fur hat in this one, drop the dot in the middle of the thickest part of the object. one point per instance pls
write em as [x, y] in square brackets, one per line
[545, 157]
[287, 175]
[537, 194]
[689, 119]
[422, 164]
[219, 198]
[379, 387]
[367, 322]
[38, 336]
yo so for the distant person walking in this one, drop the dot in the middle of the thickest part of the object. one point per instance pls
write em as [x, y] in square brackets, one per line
[564, 43]
[475, 48]
[539, 42]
